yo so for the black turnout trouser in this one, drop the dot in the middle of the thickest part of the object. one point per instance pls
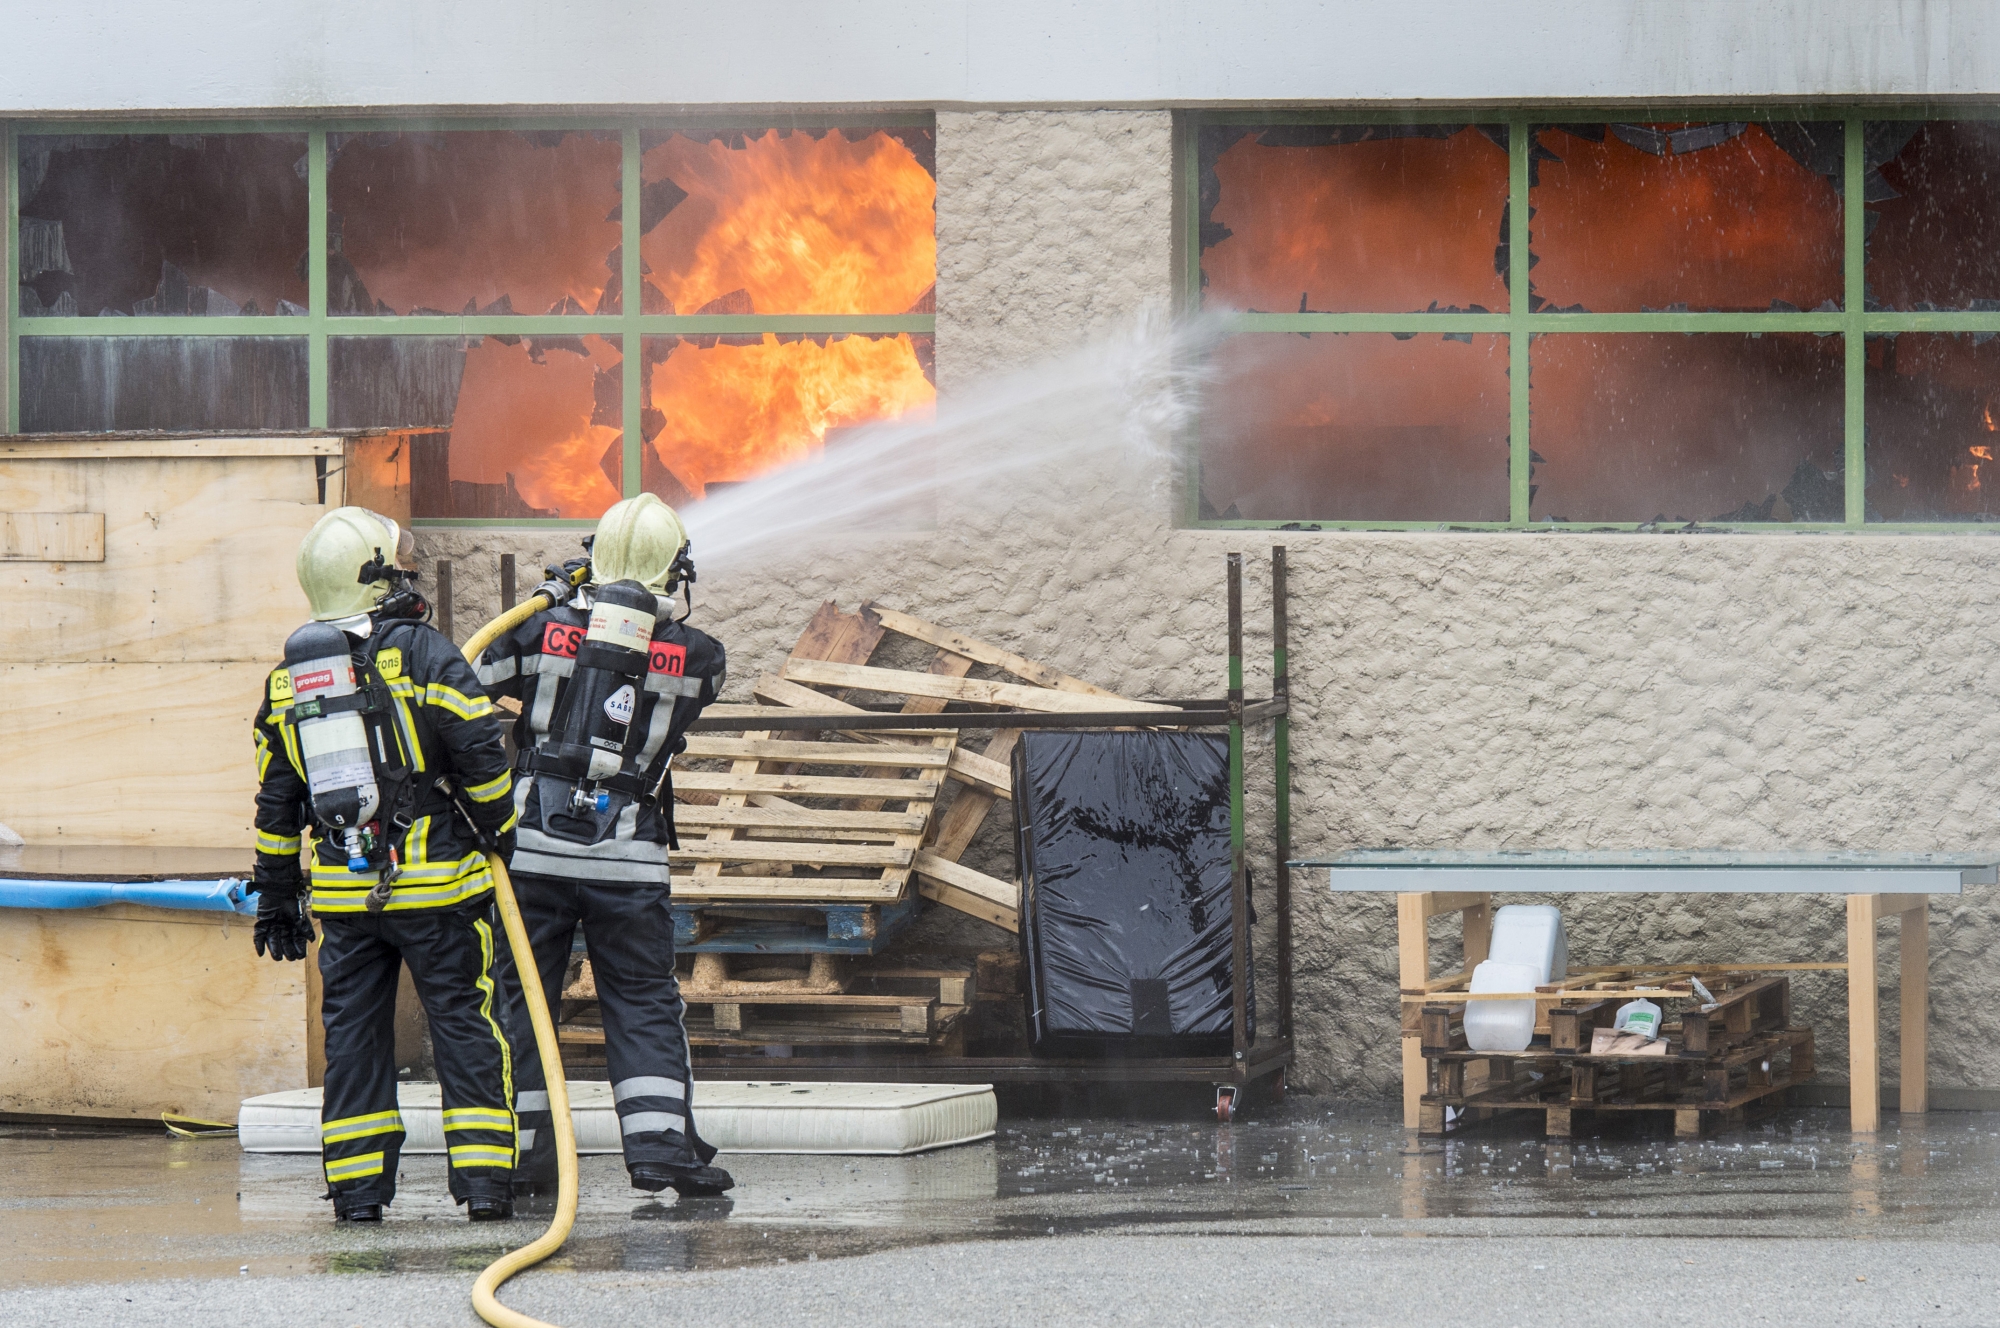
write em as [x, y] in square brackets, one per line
[450, 953]
[628, 930]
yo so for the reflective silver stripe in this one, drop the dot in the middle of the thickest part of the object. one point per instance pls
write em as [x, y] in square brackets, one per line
[498, 671]
[527, 1140]
[532, 1099]
[580, 868]
[555, 666]
[545, 704]
[666, 684]
[656, 734]
[639, 1122]
[647, 1085]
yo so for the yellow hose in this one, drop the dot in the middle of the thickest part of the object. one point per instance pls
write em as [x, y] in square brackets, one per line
[484, 1301]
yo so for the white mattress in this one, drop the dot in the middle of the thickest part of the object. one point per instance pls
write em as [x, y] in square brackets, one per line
[774, 1117]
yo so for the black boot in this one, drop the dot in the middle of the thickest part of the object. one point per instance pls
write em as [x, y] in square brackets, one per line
[690, 1181]
[364, 1212]
[486, 1208]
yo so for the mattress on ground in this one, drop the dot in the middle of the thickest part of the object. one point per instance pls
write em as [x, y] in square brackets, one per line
[761, 1117]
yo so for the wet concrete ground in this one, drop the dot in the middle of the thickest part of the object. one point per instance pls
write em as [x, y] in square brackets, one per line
[159, 1228]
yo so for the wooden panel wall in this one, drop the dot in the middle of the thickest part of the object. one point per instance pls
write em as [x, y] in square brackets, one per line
[129, 1011]
[130, 683]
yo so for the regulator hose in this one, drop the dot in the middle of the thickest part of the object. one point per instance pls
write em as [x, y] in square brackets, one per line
[484, 1300]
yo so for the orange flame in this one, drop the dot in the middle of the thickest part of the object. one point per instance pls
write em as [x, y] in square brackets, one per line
[1986, 417]
[733, 412]
[800, 225]
[1983, 453]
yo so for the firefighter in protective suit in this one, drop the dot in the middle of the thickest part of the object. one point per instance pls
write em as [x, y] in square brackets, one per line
[608, 682]
[376, 739]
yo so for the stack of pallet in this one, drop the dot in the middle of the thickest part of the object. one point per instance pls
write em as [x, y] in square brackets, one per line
[805, 853]
[1727, 1055]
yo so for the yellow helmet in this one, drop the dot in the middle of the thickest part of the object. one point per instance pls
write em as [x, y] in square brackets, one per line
[335, 553]
[640, 539]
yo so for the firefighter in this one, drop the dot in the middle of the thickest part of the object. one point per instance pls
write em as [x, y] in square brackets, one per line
[608, 682]
[377, 741]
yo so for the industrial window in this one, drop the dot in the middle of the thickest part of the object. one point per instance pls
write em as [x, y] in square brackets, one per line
[1645, 323]
[530, 320]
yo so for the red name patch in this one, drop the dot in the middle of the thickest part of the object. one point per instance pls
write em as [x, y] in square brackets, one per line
[561, 640]
[668, 658]
[316, 681]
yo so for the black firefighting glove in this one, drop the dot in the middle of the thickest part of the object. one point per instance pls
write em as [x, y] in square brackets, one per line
[283, 930]
[503, 848]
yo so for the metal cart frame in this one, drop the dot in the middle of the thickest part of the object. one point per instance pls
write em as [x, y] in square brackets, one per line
[1251, 1059]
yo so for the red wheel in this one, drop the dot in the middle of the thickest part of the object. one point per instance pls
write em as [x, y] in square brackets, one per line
[1225, 1103]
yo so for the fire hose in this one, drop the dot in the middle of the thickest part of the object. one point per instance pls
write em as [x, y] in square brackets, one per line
[484, 1298]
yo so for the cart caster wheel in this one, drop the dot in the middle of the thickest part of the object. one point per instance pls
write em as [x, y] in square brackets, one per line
[1225, 1103]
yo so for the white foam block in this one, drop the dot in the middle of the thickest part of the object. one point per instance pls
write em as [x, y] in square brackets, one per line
[762, 1117]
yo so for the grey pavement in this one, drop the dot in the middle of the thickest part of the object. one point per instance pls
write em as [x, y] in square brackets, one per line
[1311, 1213]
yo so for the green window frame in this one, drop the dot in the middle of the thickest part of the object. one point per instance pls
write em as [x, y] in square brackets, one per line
[318, 326]
[1519, 325]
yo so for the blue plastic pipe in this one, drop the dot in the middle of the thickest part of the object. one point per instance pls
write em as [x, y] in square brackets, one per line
[219, 896]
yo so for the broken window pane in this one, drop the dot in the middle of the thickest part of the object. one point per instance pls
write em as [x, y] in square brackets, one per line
[492, 222]
[1357, 427]
[162, 384]
[499, 427]
[1696, 216]
[1354, 218]
[1672, 428]
[1933, 427]
[149, 224]
[1933, 199]
[726, 409]
[782, 221]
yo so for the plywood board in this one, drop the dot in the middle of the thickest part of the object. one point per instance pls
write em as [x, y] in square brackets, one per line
[129, 753]
[128, 1012]
[196, 564]
[1018, 696]
[104, 447]
[52, 537]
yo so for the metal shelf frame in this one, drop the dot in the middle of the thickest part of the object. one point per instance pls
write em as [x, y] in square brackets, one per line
[1262, 1056]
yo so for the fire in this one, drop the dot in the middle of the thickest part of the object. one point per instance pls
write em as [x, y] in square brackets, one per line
[1983, 453]
[800, 225]
[533, 421]
[735, 411]
[1986, 418]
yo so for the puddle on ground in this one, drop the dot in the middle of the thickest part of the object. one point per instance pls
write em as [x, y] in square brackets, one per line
[99, 1206]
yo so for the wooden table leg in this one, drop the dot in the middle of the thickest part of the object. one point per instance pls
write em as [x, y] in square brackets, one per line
[1413, 969]
[1863, 1072]
[1916, 1009]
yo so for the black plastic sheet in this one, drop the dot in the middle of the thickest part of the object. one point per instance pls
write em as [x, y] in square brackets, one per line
[1124, 852]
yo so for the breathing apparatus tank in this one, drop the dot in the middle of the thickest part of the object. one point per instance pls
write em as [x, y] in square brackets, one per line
[593, 735]
[333, 737]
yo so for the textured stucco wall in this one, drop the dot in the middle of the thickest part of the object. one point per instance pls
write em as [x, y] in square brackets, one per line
[1478, 691]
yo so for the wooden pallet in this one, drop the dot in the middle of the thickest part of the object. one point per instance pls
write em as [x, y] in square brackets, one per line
[1716, 1062]
[833, 656]
[821, 999]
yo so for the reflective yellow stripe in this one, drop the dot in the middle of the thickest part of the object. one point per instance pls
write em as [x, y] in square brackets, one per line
[457, 702]
[493, 789]
[270, 843]
[356, 901]
[481, 1155]
[417, 847]
[360, 1127]
[513, 820]
[485, 985]
[406, 733]
[263, 753]
[354, 1168]
[478, 1118]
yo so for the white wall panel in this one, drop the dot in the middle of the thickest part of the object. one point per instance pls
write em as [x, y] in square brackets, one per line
[145, 55]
